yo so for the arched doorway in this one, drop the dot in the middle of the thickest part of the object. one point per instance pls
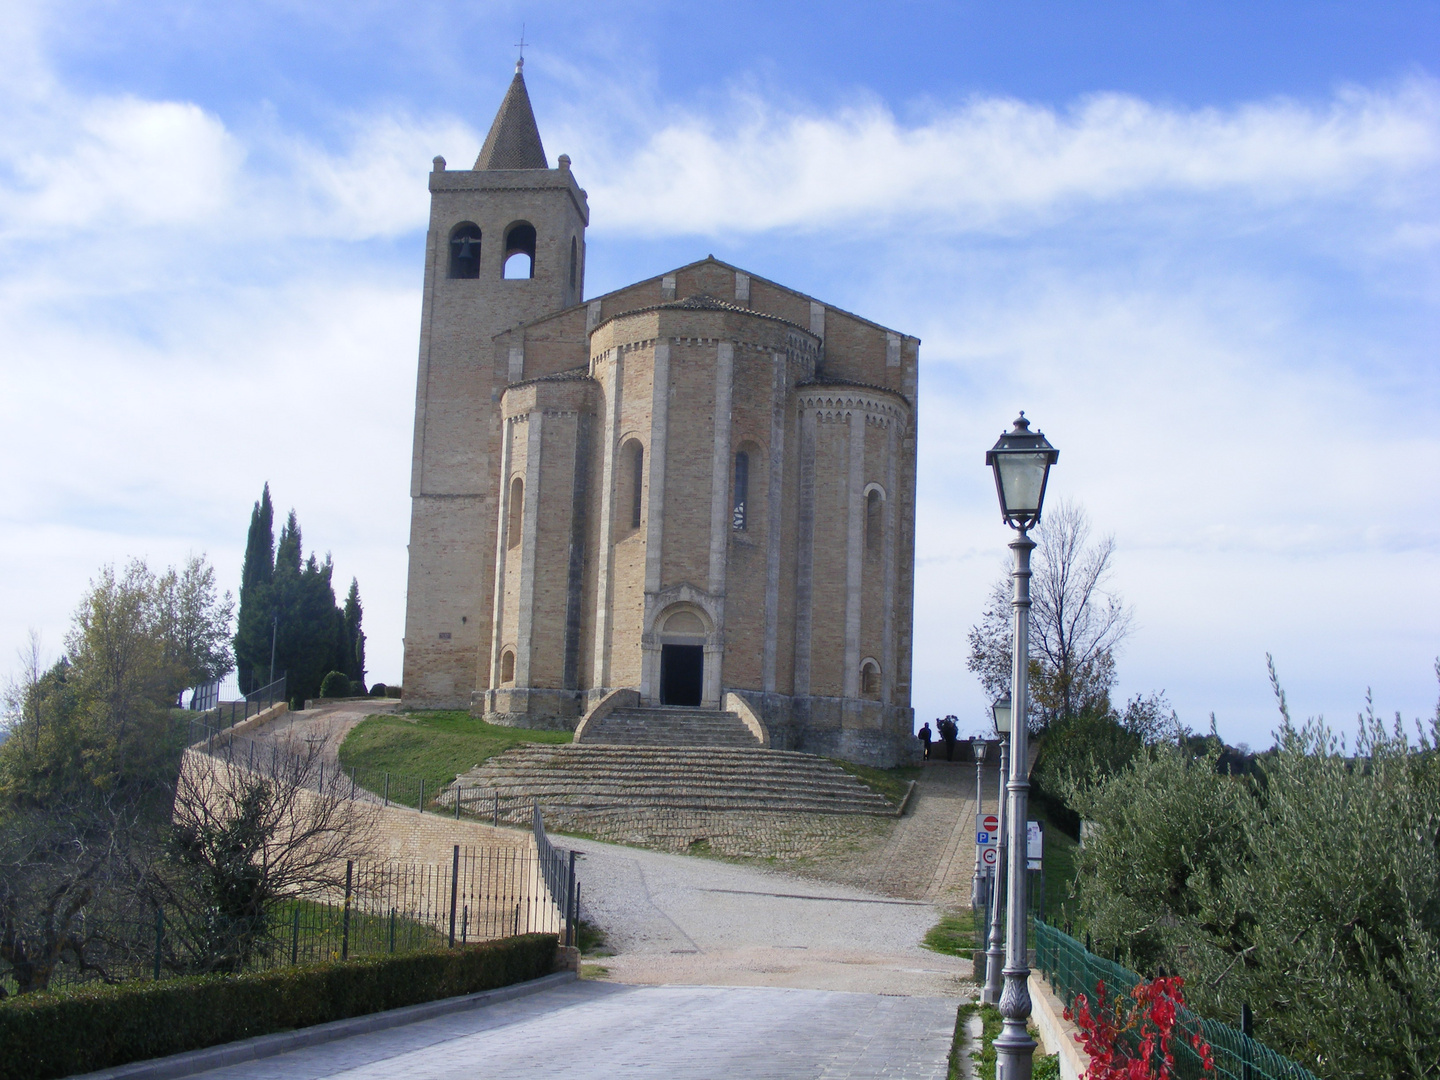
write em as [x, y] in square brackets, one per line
[682, 659]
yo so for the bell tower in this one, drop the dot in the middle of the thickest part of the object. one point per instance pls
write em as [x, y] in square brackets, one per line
[506, 245]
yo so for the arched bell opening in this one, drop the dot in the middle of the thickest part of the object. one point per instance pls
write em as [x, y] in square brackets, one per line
[520, 250]
[465, 250]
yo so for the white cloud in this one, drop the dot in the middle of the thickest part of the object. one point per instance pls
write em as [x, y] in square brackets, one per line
[148, 396]
[996, 163]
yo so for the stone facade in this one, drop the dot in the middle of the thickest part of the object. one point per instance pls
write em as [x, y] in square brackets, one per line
[698, 484]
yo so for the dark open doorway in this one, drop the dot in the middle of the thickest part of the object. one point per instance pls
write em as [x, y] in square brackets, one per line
[682, 674]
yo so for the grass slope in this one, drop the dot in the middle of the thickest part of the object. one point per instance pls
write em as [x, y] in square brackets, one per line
[432, 746]
[888, 782]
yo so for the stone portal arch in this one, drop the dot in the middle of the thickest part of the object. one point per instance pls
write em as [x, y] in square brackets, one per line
[682, 653]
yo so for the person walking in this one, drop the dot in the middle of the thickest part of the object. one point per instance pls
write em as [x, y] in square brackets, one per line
[949, 731]
[925, 736]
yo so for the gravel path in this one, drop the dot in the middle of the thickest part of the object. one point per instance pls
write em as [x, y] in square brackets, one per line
[675, 919]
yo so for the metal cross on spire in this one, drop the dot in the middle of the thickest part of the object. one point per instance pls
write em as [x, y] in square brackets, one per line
[521, 46]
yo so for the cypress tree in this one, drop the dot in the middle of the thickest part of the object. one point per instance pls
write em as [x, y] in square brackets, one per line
[354, 639]
[310, 639]
[252, 630]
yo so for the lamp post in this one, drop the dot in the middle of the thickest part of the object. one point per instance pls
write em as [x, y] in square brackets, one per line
[1021, 461]
[995, 947]
[978, 745]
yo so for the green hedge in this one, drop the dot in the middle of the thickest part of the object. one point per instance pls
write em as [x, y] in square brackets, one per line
[53, 1035]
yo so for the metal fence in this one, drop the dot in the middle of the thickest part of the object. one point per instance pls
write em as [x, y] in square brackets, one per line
[1073, 970]
[383, 908]
[557, 867]
[217, 714]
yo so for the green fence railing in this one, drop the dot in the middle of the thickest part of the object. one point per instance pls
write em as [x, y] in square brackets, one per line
[1073, 969]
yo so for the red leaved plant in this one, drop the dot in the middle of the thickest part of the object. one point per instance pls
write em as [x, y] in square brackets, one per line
[1132, 1039]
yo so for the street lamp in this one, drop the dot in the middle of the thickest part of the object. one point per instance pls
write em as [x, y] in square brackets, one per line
[1021, 460]
[979, 744]
[995, 947]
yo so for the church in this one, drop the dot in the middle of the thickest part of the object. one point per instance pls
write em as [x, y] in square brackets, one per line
[691, 497]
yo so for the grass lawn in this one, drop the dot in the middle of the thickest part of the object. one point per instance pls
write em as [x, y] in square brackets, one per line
[888, 782]
[318, 932]
[1045, 1067]
[953, 935]
[430, 747]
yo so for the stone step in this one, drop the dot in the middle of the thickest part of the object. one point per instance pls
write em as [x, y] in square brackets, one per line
[610, 778]
[703, 762]
[628, 763]
[670, 726]
[666, 788]
[689, 773]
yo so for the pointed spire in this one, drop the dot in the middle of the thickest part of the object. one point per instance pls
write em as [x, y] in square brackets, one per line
[514, 139]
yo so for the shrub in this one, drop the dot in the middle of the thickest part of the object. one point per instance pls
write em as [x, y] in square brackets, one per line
[378, 690]
[47, 1035]
[335, 684]
[1308, 886]
[392, 691]
[1135, 1039]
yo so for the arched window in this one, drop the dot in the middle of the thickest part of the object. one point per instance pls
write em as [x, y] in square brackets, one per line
[574, 261]
[516, 511]
[520, 250]
[637, 482]
[874, 521]
[465, 250]
[870, 679]
[507, 666]
[741, 502]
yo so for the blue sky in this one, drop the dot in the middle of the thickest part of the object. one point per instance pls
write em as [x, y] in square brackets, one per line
[1196, 242]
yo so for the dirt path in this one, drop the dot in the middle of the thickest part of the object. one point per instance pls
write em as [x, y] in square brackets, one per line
[326, 725]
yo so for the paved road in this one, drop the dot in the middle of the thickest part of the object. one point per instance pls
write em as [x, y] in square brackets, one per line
[590, 1031]
[679, 919]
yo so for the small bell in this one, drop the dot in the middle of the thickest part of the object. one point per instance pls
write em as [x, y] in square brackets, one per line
[465, 252]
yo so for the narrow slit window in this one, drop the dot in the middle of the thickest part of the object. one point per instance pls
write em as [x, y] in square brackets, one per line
[574, 261]
[516, 511]
[740, 512]
[637, 484]
[874, 522]
[870, 680]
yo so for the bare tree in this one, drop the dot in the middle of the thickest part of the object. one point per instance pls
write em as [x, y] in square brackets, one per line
[66, 883]
[255, 827]
[1076, 622]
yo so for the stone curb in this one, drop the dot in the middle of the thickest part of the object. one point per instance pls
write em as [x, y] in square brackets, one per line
[1057, 1034]
[263, 1046]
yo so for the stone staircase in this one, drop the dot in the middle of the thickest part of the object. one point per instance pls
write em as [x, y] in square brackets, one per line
[587, 779]
[672, 726]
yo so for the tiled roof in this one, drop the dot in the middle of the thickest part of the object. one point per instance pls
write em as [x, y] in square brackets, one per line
[514, 139]
[702, 302]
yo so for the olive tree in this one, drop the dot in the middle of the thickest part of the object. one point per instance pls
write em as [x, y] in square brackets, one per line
[1308, 888]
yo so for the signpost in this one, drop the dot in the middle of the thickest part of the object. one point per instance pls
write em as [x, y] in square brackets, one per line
[1034, 844]
[987, 829]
